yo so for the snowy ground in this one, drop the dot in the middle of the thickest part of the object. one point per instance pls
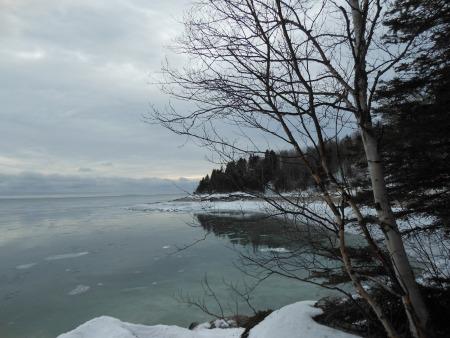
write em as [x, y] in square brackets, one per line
[430, 249]
[292, 321]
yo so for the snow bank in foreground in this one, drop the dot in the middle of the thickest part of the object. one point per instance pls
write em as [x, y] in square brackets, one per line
[291, 321]
[295, 321]
[108, 327]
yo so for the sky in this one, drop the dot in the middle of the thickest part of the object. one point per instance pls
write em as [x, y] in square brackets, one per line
[75, 82]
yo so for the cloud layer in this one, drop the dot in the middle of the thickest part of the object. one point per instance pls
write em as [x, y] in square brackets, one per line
[29, 184]
[74, 84]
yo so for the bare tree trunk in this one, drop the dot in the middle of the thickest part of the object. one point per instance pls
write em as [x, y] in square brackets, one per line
[413, 302]
[412, 299]
[390, 330]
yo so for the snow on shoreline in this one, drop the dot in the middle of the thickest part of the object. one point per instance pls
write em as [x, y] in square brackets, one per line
[296, 321]
[291, 321]
[231, 203]
[109, 327]
[240, 203]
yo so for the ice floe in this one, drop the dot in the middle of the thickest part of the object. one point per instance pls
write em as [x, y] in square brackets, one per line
[25, 266]
[66, 255]
[279, 250]
[79, 290]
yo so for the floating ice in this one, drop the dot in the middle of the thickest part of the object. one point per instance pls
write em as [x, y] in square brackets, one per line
[279, 250]
[25, 266]
[79, 289]
[67, 255]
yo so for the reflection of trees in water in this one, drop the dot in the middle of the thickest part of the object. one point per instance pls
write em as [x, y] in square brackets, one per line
[311, 255]
[257, 231]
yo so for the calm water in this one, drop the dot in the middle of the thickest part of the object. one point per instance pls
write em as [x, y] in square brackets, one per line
[66, 260]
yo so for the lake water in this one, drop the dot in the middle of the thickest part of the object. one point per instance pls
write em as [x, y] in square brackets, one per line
[66, 260]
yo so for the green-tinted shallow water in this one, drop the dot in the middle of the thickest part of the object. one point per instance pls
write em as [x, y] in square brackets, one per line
[66, 260]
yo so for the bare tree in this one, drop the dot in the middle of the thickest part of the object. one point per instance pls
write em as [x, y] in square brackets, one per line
[299, 72]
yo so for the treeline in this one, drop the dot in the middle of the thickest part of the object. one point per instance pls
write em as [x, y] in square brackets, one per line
[413, 131]
[285, 170]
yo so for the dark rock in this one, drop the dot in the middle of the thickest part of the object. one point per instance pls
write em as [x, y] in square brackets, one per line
[193, 325]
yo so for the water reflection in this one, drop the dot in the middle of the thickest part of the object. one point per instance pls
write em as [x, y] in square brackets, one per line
[259, 232]
[65, 261]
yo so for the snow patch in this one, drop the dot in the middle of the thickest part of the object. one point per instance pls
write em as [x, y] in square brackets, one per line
[224, 323]
[295, 321]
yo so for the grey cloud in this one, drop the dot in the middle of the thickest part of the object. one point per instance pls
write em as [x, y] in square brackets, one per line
[74, 86]
[85, 170]
[26, 184]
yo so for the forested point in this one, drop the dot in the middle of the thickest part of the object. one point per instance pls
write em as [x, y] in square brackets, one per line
[285, 171]
[414, 141]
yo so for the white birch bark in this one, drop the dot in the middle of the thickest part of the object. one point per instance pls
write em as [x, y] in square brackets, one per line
[412, 299]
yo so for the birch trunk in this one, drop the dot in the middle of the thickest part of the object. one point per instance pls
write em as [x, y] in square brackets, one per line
[413, 302]
[412, 299]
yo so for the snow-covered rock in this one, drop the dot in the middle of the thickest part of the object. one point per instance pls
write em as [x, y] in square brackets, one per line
[108, 327]
[291, 321]
[296, 321]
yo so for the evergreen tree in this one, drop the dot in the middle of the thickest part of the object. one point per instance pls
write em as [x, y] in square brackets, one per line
[415, 108]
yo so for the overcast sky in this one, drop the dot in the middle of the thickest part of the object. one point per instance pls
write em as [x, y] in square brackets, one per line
[74, 83]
